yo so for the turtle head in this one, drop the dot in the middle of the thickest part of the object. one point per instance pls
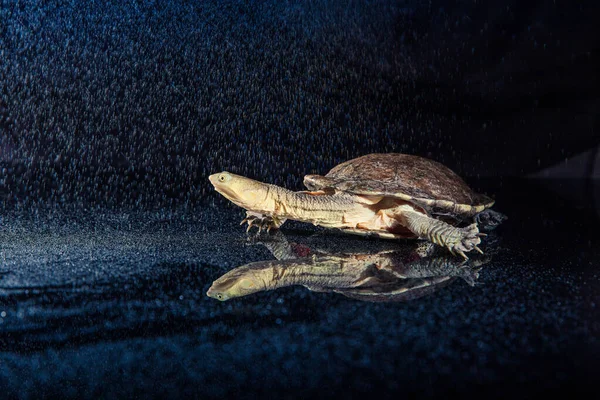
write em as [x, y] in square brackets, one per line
[236, 283]
[245, 192]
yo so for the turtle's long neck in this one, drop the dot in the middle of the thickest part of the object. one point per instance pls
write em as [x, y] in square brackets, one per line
[323, 272]
[319, 209]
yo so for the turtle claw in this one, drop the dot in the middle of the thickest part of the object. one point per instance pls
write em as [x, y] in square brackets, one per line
[463, 240]
[261, 222]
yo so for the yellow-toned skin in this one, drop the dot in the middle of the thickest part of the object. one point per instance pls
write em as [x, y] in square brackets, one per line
[386, 276]
[244, 192]
[383, 216]
[336, 210]
[229, 287]
[340, 272]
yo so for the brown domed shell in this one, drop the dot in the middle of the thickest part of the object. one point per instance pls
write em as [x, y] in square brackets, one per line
[417, 179]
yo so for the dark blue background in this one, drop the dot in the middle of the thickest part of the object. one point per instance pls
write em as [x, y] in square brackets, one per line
[137, 102]
[113, 114]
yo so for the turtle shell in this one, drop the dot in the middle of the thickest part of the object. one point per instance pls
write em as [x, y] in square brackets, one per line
[419, 180]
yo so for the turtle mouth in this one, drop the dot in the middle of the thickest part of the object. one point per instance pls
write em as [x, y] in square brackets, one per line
[223, 188]
[230, 194]
[215, 294]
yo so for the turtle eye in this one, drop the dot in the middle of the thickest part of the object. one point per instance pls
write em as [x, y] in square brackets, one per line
[224, 177]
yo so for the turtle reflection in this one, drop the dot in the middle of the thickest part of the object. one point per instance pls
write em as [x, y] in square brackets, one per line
[391, 275]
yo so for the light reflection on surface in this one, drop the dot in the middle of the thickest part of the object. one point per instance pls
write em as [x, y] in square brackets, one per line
[406, 272]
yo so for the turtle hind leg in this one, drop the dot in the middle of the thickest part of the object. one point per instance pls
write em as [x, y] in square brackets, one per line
[488, 220]
[457, 240]
[261, 221]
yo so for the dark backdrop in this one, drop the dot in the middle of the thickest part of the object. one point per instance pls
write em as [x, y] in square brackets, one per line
[117, 103]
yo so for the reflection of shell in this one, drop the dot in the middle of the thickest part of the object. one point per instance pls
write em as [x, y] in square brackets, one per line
[403, 290]
[386, 276]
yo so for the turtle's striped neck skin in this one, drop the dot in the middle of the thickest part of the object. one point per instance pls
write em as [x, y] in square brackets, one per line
[319, 209]
[322, 272]
[328, 210]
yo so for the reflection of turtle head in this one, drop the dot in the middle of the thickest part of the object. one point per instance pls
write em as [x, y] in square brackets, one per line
[236, 283]
[245, 192]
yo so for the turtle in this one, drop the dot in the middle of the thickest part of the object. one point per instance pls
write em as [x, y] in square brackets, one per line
[387, 195]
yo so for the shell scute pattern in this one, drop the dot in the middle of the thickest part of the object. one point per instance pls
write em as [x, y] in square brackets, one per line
[423, 181]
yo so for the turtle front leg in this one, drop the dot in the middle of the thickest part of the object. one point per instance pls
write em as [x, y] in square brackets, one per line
[457, 240]
[261, 221]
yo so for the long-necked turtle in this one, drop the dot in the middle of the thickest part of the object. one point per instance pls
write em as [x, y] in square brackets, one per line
[387, 195]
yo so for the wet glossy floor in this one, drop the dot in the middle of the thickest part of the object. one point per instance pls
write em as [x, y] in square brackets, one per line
[114, 303]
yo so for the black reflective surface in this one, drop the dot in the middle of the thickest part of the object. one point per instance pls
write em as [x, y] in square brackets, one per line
[114, 303]
[114, 113]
